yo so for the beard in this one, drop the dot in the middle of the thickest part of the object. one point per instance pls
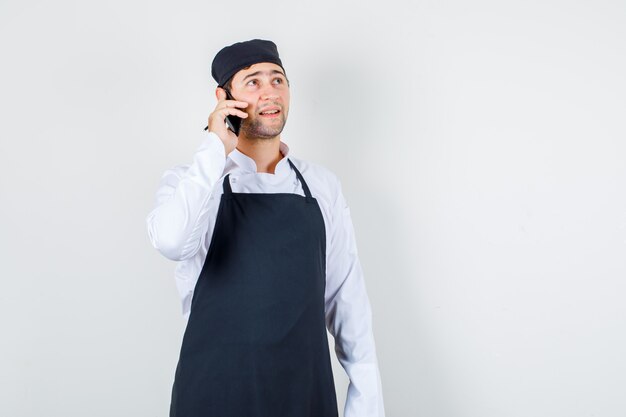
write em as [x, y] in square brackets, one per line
[257, 128]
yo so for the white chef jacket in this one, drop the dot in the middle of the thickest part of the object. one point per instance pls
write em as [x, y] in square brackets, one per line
[181, 226]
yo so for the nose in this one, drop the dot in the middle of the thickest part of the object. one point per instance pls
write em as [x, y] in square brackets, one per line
[269, 92]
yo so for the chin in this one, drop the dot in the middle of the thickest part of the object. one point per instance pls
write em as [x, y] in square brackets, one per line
[259, 129]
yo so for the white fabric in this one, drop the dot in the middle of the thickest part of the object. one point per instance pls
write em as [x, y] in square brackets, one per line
[181, 225]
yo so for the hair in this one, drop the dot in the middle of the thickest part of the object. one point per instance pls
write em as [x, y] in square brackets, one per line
[229, 83]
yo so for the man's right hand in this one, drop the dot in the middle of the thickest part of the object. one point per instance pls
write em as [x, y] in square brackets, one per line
[217, 122]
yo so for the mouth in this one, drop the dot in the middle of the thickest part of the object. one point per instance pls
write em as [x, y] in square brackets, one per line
[270, 112]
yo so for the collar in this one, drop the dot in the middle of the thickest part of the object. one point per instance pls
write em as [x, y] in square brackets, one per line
[247, 164]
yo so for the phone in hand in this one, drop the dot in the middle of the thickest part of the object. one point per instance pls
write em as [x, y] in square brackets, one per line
[233, 122]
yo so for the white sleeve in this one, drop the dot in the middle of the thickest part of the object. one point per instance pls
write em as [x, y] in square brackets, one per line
[178, 223]
[349, 316]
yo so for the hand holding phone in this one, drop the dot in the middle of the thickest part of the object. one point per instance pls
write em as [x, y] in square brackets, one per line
[233, 121]
[226, 119]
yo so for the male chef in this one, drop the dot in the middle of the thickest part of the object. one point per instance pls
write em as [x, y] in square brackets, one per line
[267, 262]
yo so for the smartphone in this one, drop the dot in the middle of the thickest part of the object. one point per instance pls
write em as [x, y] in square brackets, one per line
[233, 122]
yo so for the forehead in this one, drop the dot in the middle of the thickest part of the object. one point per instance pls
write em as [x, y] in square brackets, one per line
[261, 66]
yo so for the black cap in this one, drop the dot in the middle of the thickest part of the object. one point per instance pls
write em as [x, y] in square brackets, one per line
[237, 56]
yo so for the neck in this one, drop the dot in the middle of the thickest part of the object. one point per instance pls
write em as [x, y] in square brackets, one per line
[265, 152]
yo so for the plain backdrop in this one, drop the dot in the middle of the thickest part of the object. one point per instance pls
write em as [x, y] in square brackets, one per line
[481, 148]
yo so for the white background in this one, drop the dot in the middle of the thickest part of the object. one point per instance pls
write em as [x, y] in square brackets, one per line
[481, 147]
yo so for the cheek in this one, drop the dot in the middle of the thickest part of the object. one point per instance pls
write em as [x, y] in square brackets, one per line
[250, 109]
[247, 99]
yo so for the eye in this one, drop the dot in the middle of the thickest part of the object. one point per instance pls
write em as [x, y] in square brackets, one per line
[250, 81]
[280, 80]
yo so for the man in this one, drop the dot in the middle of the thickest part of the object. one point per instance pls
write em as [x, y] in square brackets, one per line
[267, 262]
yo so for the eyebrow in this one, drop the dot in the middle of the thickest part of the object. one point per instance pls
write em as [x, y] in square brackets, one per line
[261, 72]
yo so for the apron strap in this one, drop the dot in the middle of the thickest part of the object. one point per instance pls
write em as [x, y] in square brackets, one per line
[309, 198]
[305, 187]
[227, 190]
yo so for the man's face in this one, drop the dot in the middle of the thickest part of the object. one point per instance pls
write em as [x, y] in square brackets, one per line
[264, 86]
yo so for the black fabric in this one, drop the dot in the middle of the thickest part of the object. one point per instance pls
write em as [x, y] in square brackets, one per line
[237, 56]
[255, 343]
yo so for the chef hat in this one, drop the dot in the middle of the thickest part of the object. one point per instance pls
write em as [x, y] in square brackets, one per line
[237, 56]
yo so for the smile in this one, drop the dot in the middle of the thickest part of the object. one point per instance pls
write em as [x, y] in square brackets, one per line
[270, 115]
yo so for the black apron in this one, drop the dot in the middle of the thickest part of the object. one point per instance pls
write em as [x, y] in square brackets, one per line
[255, 344]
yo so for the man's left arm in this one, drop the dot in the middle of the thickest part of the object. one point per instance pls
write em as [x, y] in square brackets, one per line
[349, 315]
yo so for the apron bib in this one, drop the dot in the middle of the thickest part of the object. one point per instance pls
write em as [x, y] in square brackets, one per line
[255, 344]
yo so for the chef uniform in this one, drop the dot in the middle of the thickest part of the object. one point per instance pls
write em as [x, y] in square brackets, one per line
[255, 344]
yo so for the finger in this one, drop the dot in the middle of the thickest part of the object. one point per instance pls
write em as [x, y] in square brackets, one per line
[234, 111]
[235, 103]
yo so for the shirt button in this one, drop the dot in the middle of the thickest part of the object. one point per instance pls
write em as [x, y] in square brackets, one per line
[234, 179]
